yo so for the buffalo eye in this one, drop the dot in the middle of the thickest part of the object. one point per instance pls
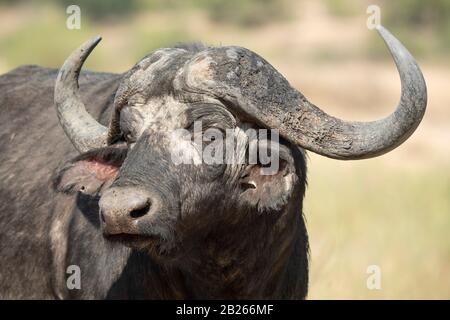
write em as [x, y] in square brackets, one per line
[129, 137]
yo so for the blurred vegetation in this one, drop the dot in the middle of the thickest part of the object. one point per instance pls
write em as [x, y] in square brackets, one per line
[245, 13]
[416, 20]
[342, 8]
[417, 14]
[100, 9]
[397, 219]
[39, 23]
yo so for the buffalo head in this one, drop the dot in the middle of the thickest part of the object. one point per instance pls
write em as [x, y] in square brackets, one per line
[149, 201]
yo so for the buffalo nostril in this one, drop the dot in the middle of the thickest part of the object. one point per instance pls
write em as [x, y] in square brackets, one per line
[102, 216]
[137, 213]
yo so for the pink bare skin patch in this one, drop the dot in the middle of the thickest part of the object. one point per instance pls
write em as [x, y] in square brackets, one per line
[102, 170]
[92, 173]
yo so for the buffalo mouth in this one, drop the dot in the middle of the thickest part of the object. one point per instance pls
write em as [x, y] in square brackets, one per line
[158, 248]
[154, 245]
[135, 241]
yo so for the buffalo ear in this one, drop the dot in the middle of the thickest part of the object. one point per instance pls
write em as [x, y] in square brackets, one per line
[268, 190]
[90, 172]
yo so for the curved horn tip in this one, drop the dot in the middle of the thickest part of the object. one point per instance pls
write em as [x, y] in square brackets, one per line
[82, 129]
[68, 74]
[380, 28]
[95, 40]
[345, 140]
[385, 34]
[89, 45]
[396, 48]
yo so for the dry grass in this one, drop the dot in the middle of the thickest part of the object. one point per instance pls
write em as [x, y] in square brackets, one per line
[372, 213]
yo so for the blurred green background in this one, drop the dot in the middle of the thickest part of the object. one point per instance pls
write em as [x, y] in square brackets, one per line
[392, 211]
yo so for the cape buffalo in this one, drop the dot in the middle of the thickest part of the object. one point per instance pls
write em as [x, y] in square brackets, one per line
[110, 203]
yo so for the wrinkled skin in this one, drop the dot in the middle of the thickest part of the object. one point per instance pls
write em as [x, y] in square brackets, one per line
[208, 235]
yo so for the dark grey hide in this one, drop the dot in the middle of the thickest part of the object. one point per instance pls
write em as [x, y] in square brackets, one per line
[214, 235]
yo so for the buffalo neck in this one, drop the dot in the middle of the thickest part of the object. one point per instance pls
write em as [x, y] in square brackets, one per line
[227, 264]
